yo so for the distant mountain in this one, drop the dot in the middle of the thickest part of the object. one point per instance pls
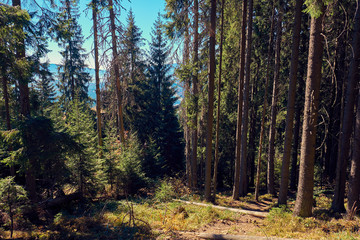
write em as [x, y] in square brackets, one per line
[92, 87]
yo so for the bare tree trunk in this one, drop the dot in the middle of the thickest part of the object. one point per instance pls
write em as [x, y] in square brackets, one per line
[25, 112]
[354, 181]
[337, 90]
[245, 119]
[189, 170]
[23, 82]
[210, 112]
[97, 77]
[195, 95]
[262, 128]
[116, 71]
[294, 160]
[290, 105]
[304, 199]
[236, 188]
[252, 131]
[347, 124]
[271, 151]
[216, 160]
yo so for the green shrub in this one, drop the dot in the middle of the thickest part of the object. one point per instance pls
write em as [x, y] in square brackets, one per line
[165, 192]
[130, 175]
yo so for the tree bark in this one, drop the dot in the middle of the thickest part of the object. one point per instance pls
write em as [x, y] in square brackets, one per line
[97, 77]
[271, 150]
[236, 188]
[245, 119]
[294, 160]
[210, 112]
[196, 96]
[187, 136]
[25, 112]
[216, 160]
[116, 71]
[304, 199]
[23, 82]
[354, 181]
[347, 124]
[284, 184]
[262, 128]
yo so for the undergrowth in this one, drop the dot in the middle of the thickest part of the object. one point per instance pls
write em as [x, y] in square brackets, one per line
[159, 216]
[282, 223]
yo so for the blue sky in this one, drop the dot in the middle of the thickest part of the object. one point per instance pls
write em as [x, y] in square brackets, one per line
[145, 12]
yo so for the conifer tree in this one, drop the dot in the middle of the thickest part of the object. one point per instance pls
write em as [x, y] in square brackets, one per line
[167, 132]
[73, 77]
[80, 124]
[45, 88]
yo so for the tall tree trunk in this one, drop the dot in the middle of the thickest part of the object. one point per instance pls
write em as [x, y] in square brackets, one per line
[216, 160]
[284, 184]
[210, 112]
[271, 151]
[347, 124]
[332, 140]
[195, 95]
[97, 77]
[252, 131]
[187, 136]
[236, 188]
[116, 71]
[354, 181]
[23, 82]
[262, 128]
[25, 112]
[294, 160]
[304, 199]
[245, 119]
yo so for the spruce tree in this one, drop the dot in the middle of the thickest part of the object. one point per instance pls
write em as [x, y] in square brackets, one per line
[73, 77]
[81, 124]
[167, 129]
[136, 89]
[45, 87]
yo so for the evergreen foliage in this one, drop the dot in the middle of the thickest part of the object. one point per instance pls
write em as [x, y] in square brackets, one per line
[45, 87]
[12, 199]
[80, 124]
[74, 80]
[57, 156]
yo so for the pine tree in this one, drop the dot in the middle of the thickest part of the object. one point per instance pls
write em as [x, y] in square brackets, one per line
[304, 198]
[45, 88]
[80, 124]
[137, 87]
[131, 49]
[74, 80]
[167, 133]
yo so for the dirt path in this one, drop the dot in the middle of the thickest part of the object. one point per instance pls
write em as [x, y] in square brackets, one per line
[247, 223]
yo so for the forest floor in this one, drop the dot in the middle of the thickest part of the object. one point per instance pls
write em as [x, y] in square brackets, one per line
[158, 216]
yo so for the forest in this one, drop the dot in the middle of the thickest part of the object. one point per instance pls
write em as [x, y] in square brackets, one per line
[239, 119]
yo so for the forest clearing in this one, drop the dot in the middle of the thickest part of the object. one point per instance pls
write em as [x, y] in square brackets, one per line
[180, 119]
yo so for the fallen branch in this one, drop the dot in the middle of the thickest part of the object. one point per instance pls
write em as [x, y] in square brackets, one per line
[237, 237]
[56, 202]
[248, 212]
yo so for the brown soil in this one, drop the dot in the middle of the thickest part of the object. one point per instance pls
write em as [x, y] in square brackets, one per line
[243, 225]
